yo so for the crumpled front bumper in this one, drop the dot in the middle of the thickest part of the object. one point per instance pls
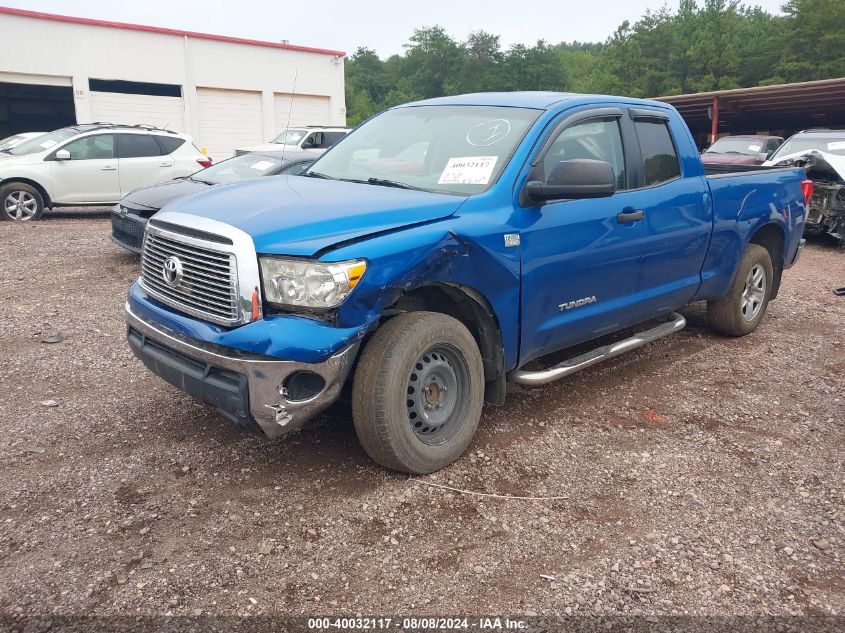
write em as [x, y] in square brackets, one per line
[249, 389]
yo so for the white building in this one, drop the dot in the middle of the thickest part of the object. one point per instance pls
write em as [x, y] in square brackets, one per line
[224, 91]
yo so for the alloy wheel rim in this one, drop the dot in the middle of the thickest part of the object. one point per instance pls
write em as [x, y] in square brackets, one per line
[753, 292]
[437, 397]
[20, 205]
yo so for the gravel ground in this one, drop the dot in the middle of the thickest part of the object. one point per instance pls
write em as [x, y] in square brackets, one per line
[701, 475]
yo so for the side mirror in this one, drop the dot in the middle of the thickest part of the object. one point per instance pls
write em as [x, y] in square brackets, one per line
[764, 156]
[62, 154]
[574, 179]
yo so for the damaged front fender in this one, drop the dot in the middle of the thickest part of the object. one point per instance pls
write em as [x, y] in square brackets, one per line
[437, 253]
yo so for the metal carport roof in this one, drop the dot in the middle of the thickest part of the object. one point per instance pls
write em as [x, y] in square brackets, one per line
[788, 107]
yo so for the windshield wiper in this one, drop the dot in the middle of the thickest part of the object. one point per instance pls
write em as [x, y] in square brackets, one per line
[205, 182]
[382, 182]
[317, 174]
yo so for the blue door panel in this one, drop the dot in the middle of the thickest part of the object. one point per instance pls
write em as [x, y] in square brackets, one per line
[677, 224]
[576, 250]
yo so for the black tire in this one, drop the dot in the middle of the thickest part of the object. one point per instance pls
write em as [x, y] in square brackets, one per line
[741, 310]
[12, 195]
[418, 391]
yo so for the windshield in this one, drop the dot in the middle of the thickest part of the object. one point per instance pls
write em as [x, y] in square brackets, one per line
[744, 146]
[449, 149]
[290, 137]
[42, 143]
[818, 142]
[239, 168]
[10, 141]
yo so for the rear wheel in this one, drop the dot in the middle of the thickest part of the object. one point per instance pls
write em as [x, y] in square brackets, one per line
[418, 392]
[741, 310]
[21, 202]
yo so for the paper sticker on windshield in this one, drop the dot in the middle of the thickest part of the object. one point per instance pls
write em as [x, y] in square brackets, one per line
[262, 164]
[755, 148]
[48, 144]
[489, 132]
[834, 145]
[468, 170]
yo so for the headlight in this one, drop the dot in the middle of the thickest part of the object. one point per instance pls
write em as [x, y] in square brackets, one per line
[302, 283]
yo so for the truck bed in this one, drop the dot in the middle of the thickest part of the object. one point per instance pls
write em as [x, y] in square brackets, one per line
[720, 171]
[743, 198]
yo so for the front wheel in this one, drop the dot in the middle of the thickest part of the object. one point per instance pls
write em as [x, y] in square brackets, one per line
[418, 391]
[21, 202]
[741, 310]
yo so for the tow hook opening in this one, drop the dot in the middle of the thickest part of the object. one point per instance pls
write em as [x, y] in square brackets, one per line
[301, 386]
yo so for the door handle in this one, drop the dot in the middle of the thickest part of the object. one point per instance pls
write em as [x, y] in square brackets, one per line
[630, 216]
[109, 168]
[165, 164]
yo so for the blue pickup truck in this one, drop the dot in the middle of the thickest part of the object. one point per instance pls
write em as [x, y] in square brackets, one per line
[444, 248]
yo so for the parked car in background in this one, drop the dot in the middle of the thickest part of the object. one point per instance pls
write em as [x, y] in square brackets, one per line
[129, 216]
[520, 225]
[313, 139]
[741, 150]
[822, 155]
[16, 139]
[90, 164]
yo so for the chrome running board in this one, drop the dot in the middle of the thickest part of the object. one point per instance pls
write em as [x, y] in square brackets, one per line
[674, 323]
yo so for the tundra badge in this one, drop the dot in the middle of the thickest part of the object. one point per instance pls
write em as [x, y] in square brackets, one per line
[577, 303]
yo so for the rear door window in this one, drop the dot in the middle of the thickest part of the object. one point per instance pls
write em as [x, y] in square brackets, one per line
[660, 160]
[137, 146]
[333, 137]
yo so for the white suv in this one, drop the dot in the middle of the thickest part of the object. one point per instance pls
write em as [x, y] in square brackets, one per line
[90, 164]
[313, 139]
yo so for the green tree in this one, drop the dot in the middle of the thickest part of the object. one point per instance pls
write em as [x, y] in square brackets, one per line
[700, 45]
[532, 68]
[813, 40]
[482, 62]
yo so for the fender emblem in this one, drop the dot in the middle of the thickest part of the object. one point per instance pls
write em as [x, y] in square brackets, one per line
[577, 303]
[511, 240]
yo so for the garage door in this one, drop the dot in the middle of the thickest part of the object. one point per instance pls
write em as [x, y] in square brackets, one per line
[228, 119]
[136, 109]
[307, 110]
[29, 107]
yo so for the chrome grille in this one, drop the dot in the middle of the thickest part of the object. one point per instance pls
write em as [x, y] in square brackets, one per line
[208, 283]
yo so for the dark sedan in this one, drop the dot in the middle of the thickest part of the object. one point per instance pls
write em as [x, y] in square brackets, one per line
[129, 216]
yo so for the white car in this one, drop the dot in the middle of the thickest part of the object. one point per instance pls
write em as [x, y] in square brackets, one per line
[16, 139]
[313, 139]
[90, 164]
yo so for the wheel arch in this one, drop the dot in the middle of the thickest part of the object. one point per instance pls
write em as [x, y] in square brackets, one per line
[470, 307]
[771, 236]
[48, 203]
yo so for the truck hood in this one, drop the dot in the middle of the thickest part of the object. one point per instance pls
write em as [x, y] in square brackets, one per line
[147, 200]
[296, 215]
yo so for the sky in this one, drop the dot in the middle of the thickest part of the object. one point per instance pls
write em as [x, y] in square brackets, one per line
[382, 25]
